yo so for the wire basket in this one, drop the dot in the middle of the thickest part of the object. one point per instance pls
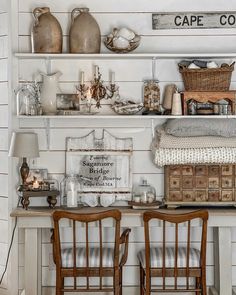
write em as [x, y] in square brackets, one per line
[218, 79]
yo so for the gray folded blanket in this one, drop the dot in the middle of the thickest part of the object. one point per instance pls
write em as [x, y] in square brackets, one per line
[201, 127]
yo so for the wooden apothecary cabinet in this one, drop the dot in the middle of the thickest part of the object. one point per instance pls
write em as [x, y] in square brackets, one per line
[200, 185]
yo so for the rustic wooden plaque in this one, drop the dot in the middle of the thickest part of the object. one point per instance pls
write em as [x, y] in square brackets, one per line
[193, 20]
[104, 164]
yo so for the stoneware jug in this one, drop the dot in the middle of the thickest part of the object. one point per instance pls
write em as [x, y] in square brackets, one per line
[85, 35]
[48, 95]
[46, 33]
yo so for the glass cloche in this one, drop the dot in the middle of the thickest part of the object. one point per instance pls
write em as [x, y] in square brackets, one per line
[144, 193]
[70, 188]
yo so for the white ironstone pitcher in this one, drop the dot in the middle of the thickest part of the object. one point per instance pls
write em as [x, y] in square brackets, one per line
[49, 91]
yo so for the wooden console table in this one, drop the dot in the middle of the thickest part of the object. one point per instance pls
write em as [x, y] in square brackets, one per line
[33, 220]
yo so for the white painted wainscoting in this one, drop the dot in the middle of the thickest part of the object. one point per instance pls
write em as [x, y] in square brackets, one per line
[130, 74]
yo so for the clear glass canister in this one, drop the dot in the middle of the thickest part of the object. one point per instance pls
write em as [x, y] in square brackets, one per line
[144, 193]
[70, 188]
[152, 95]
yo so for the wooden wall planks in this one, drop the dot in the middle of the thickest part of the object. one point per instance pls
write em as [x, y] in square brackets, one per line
[129, 74]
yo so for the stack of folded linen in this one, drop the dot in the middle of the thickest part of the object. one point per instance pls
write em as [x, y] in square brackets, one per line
[205, 141]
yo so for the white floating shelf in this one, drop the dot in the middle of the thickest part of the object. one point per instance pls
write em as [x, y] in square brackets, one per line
[124, 56]
[124, 117]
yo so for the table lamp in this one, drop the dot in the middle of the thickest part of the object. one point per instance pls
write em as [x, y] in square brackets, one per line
[24, 145]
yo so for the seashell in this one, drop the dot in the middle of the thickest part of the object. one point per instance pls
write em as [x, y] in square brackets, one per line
[212, 65]
[107, 200]
[120, 42]
[126, 33]
[193, 66]
[114, 32]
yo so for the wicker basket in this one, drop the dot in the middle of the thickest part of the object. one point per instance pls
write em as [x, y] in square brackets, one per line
[207, 79]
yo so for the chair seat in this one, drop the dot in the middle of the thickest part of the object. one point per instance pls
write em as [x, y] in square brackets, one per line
[94, 257]
[156, 257]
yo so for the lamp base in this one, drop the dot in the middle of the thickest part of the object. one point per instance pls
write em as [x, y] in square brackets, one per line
[24, 171]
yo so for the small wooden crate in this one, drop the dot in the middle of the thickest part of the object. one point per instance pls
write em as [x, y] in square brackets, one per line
[200, 185]
[208, 96]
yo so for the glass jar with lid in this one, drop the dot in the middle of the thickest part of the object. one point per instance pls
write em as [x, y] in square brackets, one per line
[144, 193]
[70, 188]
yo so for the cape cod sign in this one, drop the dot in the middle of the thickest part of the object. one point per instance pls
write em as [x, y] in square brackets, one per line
[193, 20]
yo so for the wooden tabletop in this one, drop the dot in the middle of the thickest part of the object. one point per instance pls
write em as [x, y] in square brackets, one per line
[47, 212]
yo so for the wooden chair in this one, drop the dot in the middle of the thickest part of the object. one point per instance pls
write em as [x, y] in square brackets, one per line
[89, 261]
[174, 262]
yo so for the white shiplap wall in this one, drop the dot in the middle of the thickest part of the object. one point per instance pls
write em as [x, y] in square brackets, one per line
[129, 76]
[4, 219]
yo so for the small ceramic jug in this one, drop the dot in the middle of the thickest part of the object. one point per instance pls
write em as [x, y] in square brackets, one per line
[46, 33]
[49, 92]
[85, 35]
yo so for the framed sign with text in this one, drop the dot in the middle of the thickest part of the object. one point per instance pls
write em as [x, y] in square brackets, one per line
[193, 20]
[103, 164]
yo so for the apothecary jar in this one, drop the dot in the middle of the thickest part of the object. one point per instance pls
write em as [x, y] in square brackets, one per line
[70, 188]
[144, 193]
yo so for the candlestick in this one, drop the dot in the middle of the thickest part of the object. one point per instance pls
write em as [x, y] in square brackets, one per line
[96, 72]
[112, 78]
[82, 78]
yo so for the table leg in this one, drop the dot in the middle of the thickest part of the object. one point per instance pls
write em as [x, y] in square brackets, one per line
[33, 261]
[223, 260]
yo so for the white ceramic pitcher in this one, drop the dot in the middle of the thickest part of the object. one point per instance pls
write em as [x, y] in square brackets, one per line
[49, 90]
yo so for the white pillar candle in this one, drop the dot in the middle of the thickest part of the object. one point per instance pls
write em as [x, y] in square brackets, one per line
[82, 78]
[112, 78]
[72, 199]
[36, 184]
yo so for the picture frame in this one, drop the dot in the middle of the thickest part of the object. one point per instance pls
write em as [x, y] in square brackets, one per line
[68, 102]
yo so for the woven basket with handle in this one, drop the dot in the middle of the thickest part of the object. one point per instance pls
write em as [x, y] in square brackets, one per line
[218, 79]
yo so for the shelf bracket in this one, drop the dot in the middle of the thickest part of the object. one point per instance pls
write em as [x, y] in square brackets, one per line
[47, 132]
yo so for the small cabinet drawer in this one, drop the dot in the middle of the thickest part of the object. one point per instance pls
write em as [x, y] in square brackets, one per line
[188, 196]
[187, 170]
[227, 170]
[187, 182]
[227, 196]
[201, 182]
[213, 196]
[200, 170]
[214, 182]
[214, 170]
[227, 182]
[200, 196]
[175, 196]
[175, 182]
[174, 170]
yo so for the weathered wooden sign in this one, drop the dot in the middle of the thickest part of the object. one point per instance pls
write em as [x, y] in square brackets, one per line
[193, 20]
[104, 165]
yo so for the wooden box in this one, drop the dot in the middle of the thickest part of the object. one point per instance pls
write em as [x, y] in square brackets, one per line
[200, 185]
[211, 97]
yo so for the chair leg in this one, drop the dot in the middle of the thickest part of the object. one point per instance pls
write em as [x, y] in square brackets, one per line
[141, 279]
[204, 287]
[121, 280]
[116, 282]
[59, 285]
[198, 282]
[148, 282]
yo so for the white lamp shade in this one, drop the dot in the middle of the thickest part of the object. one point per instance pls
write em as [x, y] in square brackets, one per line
[24, 145]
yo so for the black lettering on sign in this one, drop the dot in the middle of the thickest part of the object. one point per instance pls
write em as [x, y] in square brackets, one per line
[177, 18]
[199, 20]
[194, 20]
